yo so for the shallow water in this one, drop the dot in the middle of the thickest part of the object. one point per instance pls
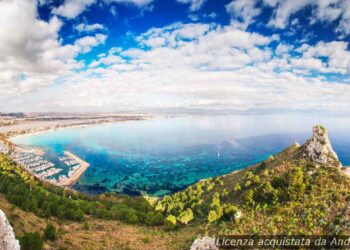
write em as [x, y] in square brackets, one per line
[161, 156]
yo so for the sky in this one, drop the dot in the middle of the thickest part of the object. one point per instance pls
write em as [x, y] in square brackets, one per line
[139, 55]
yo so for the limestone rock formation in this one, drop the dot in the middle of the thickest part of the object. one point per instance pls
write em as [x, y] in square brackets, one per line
[7, 236]
[205, 243]
[319, 149]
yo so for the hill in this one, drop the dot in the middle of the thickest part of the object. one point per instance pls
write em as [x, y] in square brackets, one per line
[302, 190]
[101, 222]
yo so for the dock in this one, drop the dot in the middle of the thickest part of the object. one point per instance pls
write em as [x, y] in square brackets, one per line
[76, 172]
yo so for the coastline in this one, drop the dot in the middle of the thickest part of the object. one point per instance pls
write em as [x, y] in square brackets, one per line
[8, 140]
[79, 124]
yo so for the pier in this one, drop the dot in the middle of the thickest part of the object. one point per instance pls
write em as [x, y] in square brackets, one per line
[78, 168]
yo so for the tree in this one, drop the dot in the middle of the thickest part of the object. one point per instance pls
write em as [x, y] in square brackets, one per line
[216, 200]
[230, 211]
[186, 216]
[31, 241]
[236, 187]
[154, 218]
[297, 186]
[170, 222]
[266, 193]
[249, 198]
[50, 232]
[214, 215]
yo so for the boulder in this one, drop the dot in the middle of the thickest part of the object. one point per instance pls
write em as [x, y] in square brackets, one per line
[205, 243]
[7, 236]
[319, 149]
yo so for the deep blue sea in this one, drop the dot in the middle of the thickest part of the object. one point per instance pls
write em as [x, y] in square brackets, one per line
[164, 155]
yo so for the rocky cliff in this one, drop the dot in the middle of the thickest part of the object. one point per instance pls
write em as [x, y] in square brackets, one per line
[7, 236]
[319, 149]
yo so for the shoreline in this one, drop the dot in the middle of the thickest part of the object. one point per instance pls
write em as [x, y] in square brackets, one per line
[11, 135]
[8, 139]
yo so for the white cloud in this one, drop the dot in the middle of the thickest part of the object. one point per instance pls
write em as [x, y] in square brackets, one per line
[172, 35]
[83, 27]
[336, 54]
[139, 3]
[323, 11]
[72, 8]
[244, 10]
[31, 57]
[216, 68]
[180, 65]
[285, 9]
[86, 43]
[194, 4]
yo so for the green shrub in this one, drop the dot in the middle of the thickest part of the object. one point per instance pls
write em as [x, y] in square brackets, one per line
[31, 241]
[50, 232]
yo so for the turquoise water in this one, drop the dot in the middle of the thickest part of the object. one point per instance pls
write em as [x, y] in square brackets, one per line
[161, 156]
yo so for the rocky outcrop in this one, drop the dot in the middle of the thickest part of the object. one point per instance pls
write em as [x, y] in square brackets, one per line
[319, 149]
[7, 236]
[205, 243]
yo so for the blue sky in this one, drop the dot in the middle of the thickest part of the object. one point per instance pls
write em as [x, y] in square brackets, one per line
[129, 55]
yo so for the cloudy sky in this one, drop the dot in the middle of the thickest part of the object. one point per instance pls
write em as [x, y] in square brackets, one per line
[122, 55]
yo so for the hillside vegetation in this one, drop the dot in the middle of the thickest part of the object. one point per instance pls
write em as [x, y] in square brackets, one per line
[289, 193]
[302, 190]
[102, 222]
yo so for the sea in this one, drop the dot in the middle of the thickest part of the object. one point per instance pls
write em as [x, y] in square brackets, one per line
[160, 156]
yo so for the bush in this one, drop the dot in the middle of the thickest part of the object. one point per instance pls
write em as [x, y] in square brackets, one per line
[31, 241]
[154, 219]
[214, 215]
[249, 198]
[236, 187]
[297, 186]
[266, 194]
[186, 216]
[86, 226]
[170, 222]
[50, 232]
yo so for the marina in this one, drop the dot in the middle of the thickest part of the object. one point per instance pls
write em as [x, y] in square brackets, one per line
[35, 164]
[76, 168]
[44, 169]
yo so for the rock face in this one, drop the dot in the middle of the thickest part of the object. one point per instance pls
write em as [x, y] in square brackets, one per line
[7, 236]
[205, 243]
[319, 149]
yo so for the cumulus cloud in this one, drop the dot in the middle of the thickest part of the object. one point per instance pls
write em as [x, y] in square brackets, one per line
[83, 27]
[32, 56]
[139, 3]
[216, 67]
[323, 11]
[244, 10]
[86, 43]
[191, 65]
[72, 8]
[194, 4]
